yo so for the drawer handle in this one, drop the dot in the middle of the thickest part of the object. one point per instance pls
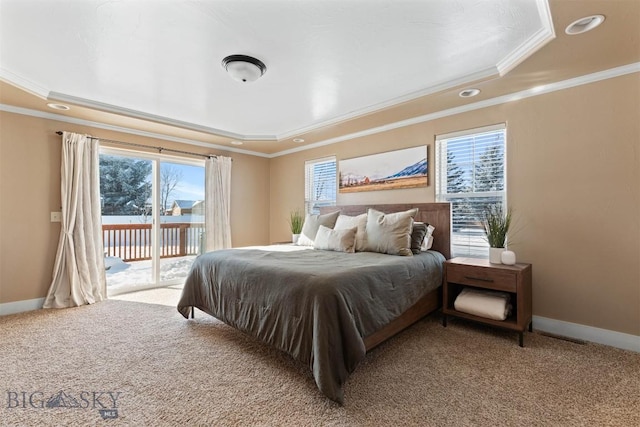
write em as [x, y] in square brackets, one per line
[480, 279]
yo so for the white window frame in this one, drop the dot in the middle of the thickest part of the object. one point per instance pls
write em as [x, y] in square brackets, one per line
[467, 235]
[314, 197]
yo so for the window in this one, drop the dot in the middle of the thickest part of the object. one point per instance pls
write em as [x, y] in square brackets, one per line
[471, 175]
[320, 184]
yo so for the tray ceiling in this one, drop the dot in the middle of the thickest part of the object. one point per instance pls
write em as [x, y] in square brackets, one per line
[336, 69]
[327, 61]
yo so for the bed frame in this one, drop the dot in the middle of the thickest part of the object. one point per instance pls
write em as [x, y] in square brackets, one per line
[436, 214]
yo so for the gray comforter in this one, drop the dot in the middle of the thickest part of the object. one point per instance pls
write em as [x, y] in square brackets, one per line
[315, 305]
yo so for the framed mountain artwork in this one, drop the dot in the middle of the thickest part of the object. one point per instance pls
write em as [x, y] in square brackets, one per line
[406, 168]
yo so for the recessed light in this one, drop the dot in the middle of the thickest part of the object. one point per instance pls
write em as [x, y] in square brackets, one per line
[298, 140]
[468, 93]
[237, 142]
[58, 107]
[583, 25]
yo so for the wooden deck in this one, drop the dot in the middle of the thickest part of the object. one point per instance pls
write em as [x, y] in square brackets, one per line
[132, 242]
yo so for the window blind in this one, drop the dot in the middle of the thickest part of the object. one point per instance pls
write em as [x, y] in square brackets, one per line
[471, 175]
[320, 184]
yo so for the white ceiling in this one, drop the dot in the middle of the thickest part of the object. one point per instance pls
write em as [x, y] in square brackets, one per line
[327, 61]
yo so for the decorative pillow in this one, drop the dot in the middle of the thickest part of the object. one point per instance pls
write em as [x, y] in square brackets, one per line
[360, 222]
[389, 233]
[417, 236]
[428, 238]
[311, 225]
[336, 240]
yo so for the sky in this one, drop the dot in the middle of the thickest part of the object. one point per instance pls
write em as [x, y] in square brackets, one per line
[191, 186]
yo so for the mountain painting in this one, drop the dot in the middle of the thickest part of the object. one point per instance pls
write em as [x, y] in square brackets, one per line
[405, 168]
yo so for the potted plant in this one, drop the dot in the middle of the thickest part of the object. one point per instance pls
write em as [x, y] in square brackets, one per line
[496, 221]
[296, 220]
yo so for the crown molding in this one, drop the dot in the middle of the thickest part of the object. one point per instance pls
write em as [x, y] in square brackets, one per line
[127, 112]
[53, 96]
[522, 52]
[486, 74]
[22, 83]
[533, 43]
[98, 125]
[44, 93]
[539, 90]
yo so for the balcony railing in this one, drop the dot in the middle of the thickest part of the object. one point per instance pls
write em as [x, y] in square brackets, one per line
[132, 242]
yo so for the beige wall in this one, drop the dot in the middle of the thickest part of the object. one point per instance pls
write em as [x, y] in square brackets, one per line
[573, 182]
[30, 190]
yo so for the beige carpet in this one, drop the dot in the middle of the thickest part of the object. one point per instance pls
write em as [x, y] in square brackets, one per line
[170, 371]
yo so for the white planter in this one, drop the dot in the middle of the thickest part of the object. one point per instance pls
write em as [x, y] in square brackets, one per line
[495, 255]
[294, 238]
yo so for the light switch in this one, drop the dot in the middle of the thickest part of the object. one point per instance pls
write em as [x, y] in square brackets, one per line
[56, 216]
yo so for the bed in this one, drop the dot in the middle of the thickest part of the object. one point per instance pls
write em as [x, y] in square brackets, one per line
[325, 308]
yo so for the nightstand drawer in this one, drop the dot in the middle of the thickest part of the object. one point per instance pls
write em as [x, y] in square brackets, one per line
[499, 280]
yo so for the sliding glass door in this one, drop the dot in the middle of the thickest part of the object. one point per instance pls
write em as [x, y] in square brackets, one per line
[152, 216]
[181, 219]
[126, 185]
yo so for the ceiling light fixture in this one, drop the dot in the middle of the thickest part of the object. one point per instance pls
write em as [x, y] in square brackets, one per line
[244, 68]
[583, 25]
[61, 107]
[468, 93]
[298, 140]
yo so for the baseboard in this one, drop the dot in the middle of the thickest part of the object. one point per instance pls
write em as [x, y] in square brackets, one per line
[21, 306]
[587, 333]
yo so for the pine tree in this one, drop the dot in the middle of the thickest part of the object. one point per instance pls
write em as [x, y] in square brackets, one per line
[124, 185]
[490, 170]
[489, 176]
[456, 184]
[455, 175]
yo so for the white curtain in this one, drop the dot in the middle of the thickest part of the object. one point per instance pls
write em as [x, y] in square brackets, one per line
[217, 220]
[78, 274]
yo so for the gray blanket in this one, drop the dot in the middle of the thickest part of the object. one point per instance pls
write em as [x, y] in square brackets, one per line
[315, 305]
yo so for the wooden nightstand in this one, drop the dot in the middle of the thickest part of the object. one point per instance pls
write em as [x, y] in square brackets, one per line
[480, 274]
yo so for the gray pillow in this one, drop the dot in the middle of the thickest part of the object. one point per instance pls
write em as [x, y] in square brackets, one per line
[343, 240]
[311, 225]
[390, 233]
[417, 236]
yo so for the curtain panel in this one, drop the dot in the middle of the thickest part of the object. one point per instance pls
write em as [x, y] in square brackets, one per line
[218, 203]
[79, 273]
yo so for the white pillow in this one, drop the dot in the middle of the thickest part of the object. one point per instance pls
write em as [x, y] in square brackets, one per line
[311, 225]
[390, 233]
[336, 240]
[360, 222]
[428, 238]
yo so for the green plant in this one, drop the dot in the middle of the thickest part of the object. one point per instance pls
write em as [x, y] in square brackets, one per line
[296, 220]
[496, 222]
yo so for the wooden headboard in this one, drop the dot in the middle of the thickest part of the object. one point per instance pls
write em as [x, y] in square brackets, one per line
[436, 214]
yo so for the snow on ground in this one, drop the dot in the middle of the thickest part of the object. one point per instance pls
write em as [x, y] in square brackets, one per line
[128, 275]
